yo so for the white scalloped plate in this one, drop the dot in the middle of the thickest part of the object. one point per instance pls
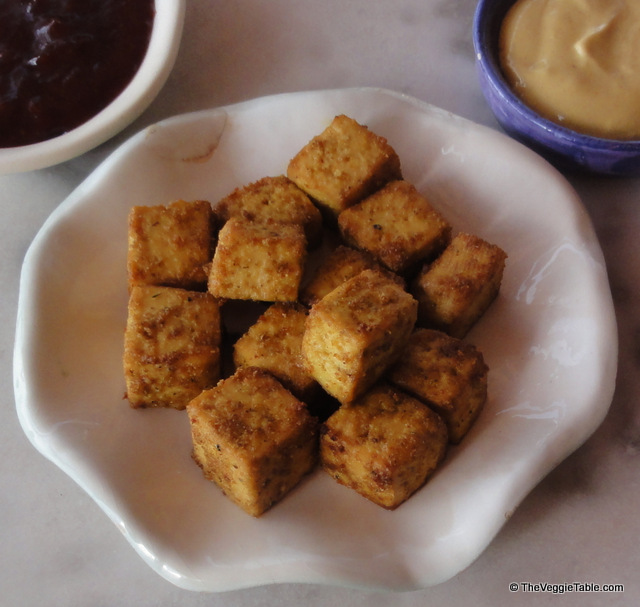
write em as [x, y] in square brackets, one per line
[550, 340]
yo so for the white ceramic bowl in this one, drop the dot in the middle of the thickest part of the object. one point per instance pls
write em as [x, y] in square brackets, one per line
[124, 109]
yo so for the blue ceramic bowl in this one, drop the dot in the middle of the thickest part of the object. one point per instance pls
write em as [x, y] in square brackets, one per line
[566, 149]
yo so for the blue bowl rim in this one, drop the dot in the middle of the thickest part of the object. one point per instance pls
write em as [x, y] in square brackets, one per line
[487, 59]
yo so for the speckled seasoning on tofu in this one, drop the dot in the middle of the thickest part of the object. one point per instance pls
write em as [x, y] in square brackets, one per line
[343, 164]
[356, 332]
[385, 445]
[171, 346]
[252, 438]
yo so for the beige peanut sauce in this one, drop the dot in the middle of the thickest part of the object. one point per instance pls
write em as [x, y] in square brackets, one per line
[576, 62]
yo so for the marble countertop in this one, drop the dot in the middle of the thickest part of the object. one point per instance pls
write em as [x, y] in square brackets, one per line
[579, 524]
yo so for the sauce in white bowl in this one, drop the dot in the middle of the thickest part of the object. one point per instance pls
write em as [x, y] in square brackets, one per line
[51, 40]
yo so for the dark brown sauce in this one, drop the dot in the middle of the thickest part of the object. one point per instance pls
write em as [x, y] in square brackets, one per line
[63, 61]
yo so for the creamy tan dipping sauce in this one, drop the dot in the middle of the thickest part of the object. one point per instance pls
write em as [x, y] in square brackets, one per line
[577, 62]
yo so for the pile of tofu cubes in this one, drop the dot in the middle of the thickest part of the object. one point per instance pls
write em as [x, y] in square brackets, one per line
[356, 359]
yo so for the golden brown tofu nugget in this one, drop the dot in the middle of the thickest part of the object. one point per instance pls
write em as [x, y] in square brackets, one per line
[170, 245]
[356, 332]
[171, 346]
[259, 262]
[276, 199]
[274, 343]
[337, 267]
[458, 287]
[445, 373]
[397, 225]
[343, 164]
[385, 446]
[252, 438]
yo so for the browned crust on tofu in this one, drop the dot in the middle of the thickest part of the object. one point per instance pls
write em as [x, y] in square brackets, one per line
[274, 199]
[171, 346]
[258, 262]
[337, 267]
[447, 374]
[397, 225]
[170, 245]
[457, 288]
[344, 164]
[252, 438]
[356, 332]
[274, 343]
[385, 446]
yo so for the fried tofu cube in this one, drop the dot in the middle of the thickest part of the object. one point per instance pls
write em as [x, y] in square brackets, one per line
[356, 332]
[343, 164]
[385, 446]
[457, 288]
[170, 245]
[274, 343]
[273, 198]
[252, 438]
[337, 267]
[258, 262]
[397, 225]
[447, 374]
[171, 346]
